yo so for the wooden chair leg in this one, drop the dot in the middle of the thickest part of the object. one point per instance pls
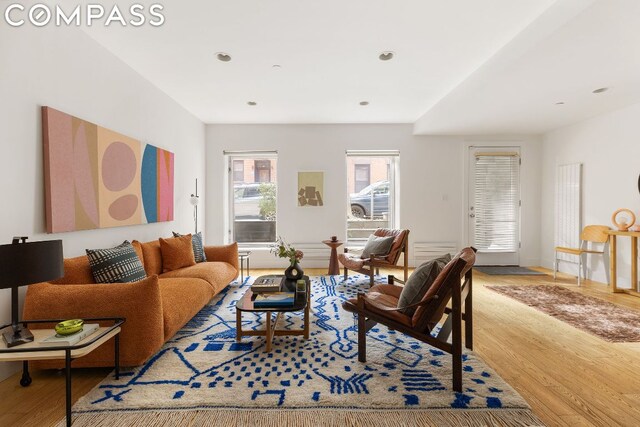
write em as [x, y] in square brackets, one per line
[371, 282]
[346, 273]
[579, 268]
[362, 338]
[406, 265]
[457, 370]
[468, 314]
[456, 336]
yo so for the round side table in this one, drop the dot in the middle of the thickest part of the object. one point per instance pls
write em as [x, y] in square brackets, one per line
[334, 268]
[243, 255]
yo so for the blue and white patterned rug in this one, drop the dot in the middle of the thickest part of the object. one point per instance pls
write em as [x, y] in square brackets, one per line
[203, 372]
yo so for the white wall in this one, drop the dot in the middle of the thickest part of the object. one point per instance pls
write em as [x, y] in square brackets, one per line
[67, 70]
[431, 175]
[608, 147]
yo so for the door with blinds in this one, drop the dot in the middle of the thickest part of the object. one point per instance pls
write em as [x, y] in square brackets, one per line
[494, 204]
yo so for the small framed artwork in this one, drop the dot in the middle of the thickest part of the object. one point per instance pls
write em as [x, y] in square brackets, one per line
[310, 188]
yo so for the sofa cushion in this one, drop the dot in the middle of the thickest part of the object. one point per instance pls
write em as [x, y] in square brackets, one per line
[381, 295]
[177, 252]
[352, 262]
[152, 257]
[217, 274]
[137, 246]
[377, 246]
[116, 265]
[198, 247]
[398, 238]
[182, 298]
[77, 271]
[420, 281]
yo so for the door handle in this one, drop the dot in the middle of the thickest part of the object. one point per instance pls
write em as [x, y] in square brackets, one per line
[472, 215]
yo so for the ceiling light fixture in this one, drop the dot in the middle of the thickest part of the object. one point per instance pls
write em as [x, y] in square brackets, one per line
[560, 103]
[252, 103]
[223, 57]
[386, 56]
[601, 90]
[364, 103]
[277, 66]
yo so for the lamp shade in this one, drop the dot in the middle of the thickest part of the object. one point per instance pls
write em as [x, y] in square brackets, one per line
[194, 200]
[33, 262]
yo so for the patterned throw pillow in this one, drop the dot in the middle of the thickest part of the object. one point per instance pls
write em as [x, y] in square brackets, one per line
[116, 265]
[420, 281]
[198, 247]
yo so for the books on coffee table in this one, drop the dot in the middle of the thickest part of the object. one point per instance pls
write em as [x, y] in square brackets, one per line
[274, 299]
[69, 340]
[267, 284]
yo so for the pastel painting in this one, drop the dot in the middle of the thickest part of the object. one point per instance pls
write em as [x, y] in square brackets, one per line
[98, 178]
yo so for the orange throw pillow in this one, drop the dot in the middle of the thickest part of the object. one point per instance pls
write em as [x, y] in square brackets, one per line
[177, 252]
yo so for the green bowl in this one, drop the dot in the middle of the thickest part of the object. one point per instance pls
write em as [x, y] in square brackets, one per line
[69, 327]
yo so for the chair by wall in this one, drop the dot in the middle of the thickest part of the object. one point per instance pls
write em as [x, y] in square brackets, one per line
[591, 234]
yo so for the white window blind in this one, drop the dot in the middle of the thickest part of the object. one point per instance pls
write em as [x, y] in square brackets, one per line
[496, 202]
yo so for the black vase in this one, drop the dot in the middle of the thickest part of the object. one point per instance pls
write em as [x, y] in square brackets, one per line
[294, 272]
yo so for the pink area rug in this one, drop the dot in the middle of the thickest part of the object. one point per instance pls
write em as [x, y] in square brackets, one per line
[603, 319]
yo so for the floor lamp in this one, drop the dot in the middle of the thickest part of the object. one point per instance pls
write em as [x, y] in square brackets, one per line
[21, 264]
[195, 199]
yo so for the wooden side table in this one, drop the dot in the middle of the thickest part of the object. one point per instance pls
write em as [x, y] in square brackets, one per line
[334, 267]
[613, 261]
[36, 351]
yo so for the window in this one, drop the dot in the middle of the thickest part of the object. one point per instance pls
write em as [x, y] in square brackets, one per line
[362, 176]
[262, 170]
[238, 171]
[372, 189]
[252, 202]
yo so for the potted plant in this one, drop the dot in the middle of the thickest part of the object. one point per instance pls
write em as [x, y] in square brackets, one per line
[282, 249]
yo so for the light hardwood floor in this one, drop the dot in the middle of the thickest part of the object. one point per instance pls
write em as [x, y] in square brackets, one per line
[569, 378]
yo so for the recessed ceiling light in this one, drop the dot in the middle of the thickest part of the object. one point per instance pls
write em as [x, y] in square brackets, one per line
[600, 90]
[364, 103]
[252, 103]
[560, 103]
[224, 57]
[276, 66]
[386, 56]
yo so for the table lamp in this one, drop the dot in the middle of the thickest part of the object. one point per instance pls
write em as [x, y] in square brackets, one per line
[23, 263]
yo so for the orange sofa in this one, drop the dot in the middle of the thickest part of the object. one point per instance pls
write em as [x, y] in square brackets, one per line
[155, 308]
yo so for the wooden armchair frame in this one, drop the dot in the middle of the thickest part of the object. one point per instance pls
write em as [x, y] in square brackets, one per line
[374, 262]
[461, 309]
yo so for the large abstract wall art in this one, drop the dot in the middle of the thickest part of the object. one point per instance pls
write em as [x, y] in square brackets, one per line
[97, 178]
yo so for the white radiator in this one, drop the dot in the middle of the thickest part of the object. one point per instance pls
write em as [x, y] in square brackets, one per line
[426, 251]
[568, 208]
[316, 255]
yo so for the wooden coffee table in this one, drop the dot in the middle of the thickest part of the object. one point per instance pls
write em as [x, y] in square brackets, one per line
[301, 303]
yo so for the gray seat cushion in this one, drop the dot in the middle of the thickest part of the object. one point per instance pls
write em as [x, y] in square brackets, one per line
[420, 281]
[377, 246]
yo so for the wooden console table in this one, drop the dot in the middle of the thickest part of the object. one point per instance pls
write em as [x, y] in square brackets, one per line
[613, 238]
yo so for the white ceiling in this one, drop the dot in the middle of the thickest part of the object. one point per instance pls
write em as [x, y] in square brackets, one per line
[328, 51]
[463, 67]
[562, 57]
